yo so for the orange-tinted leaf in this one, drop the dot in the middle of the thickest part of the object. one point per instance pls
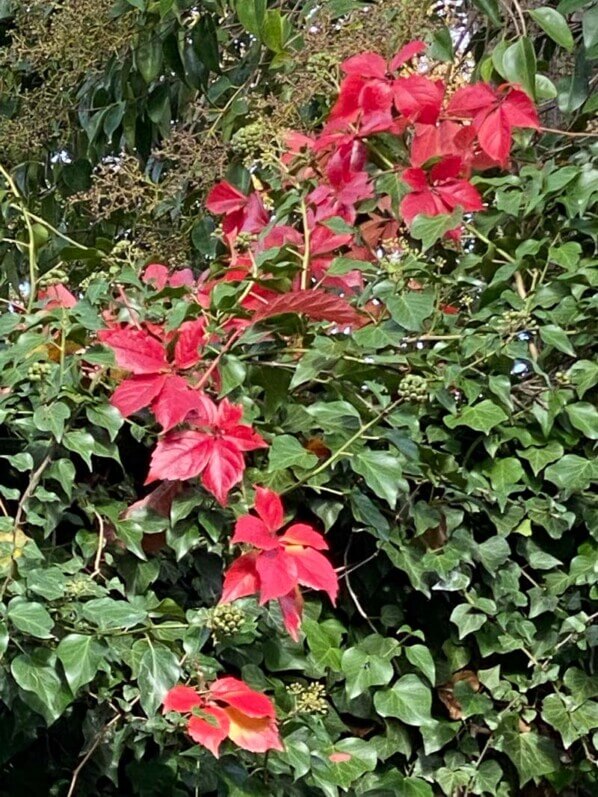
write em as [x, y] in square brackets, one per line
[256, 734]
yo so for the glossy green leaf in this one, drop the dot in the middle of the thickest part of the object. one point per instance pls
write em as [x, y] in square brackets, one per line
[382, 472]
[482, 417]
[43, 688]
[555, 25]
[421, 658]
[31, 618]
[519, 65]
[81, 657]
[158, 672]
[572, 472]
[52, 418]
[287, 452]
[411, 309]
[409, 700]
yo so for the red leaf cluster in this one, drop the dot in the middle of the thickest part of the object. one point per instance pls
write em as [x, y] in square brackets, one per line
[278, 563]
[227, 709]
[212, 448]
[342, 213]
[155, 358]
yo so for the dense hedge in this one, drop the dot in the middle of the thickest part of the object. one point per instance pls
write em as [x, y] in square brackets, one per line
[385, 317]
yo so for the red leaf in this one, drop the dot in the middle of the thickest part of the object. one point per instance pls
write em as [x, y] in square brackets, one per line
[252, 733]
[469, 101]
[210, 732]
[521, 110]
[376, 104]
[253, 531]
[56, 296]
[291, 606]
[316, 304]
[277, 573]
[137, 392]
[135, 349]
[302, 534]
[346, 107]
[180, 455]
[365, 64]
[239, 435]
[182, 699]
[415, 179]
[240, 696]
[406, 53]
[425, 203]
[182, 277]
[175, 401]
[461, 193]
[324, 240]
[240, 579]
[224, 469]
[419, 98]
[190, 338]
[314, 570]
[269, 507]
[225, 198]
[494, 135]
[447, 169]
[156, 273]
[433, 141]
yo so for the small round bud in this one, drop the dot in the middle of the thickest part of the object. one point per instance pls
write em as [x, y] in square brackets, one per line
[413, 388]
[226, 620]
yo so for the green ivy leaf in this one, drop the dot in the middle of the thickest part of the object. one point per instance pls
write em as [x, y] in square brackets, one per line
[81, 657]
[409, 700]
[467, 620]
[557, 337]
[324, 643]
[44, 691]
[539, 458]
[287, 452]
[482, 417]
[572, 472]
[420, 657]
[505, 472]
[158, 672]
[107, 417]
[429, 229]
[363, 670]
[571, 723]
[584, 375]
[382, 472]
[411, 309]
[359, 757]
[584, 416]
[108, 613]
[532, 754]
[51, 418]
[4, 638]
[30, 618]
